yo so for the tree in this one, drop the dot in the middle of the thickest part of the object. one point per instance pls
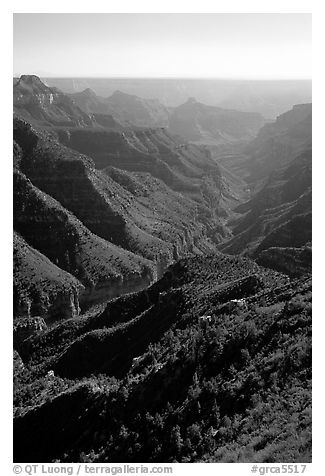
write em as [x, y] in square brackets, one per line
[176, 441]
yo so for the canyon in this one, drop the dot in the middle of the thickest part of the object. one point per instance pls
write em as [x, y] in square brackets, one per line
[162, 273]
[113, 206]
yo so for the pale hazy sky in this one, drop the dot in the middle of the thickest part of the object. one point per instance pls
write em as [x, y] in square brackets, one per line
[164, 45]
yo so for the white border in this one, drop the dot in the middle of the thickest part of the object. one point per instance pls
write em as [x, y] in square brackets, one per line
[168, 6]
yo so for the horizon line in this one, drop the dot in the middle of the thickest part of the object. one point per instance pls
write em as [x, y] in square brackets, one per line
[211, 78]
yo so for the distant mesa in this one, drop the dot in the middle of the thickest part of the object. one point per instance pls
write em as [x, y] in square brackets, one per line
[193, 120]
[269, 98]
[204, 124]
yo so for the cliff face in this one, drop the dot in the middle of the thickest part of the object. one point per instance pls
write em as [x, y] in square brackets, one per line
[142, 198]
[36, 102]
[147, 150]
[114, 230]
[40, 287]
[203, 351]
[103, 268]
[107, 208]
[184, 168]
[278, 143]
[279, 215]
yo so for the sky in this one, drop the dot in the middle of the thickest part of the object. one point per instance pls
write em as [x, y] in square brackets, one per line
[206, 45]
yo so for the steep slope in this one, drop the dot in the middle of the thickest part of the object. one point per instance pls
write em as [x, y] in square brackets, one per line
[278, 143]
[209, 361]
[41, 287]
[127, 109]
[151, 150]
[186, 168]
[192, 120]
[97, 108]
[102, 204]
[115, 230]
[148, 315]
[200, 123]
[279, 215]
[137, 111]
[89, 102]
[104, 269]
[183, 167]
[269, 98]
[46, 106]
[199, 377]
[292, 261]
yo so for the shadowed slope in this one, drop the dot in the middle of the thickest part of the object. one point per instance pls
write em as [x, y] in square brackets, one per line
[41, 287]
[228, 388]
[279, 214]
[103, 268]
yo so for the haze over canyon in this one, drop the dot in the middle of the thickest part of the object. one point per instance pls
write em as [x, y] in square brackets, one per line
[162, 270]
